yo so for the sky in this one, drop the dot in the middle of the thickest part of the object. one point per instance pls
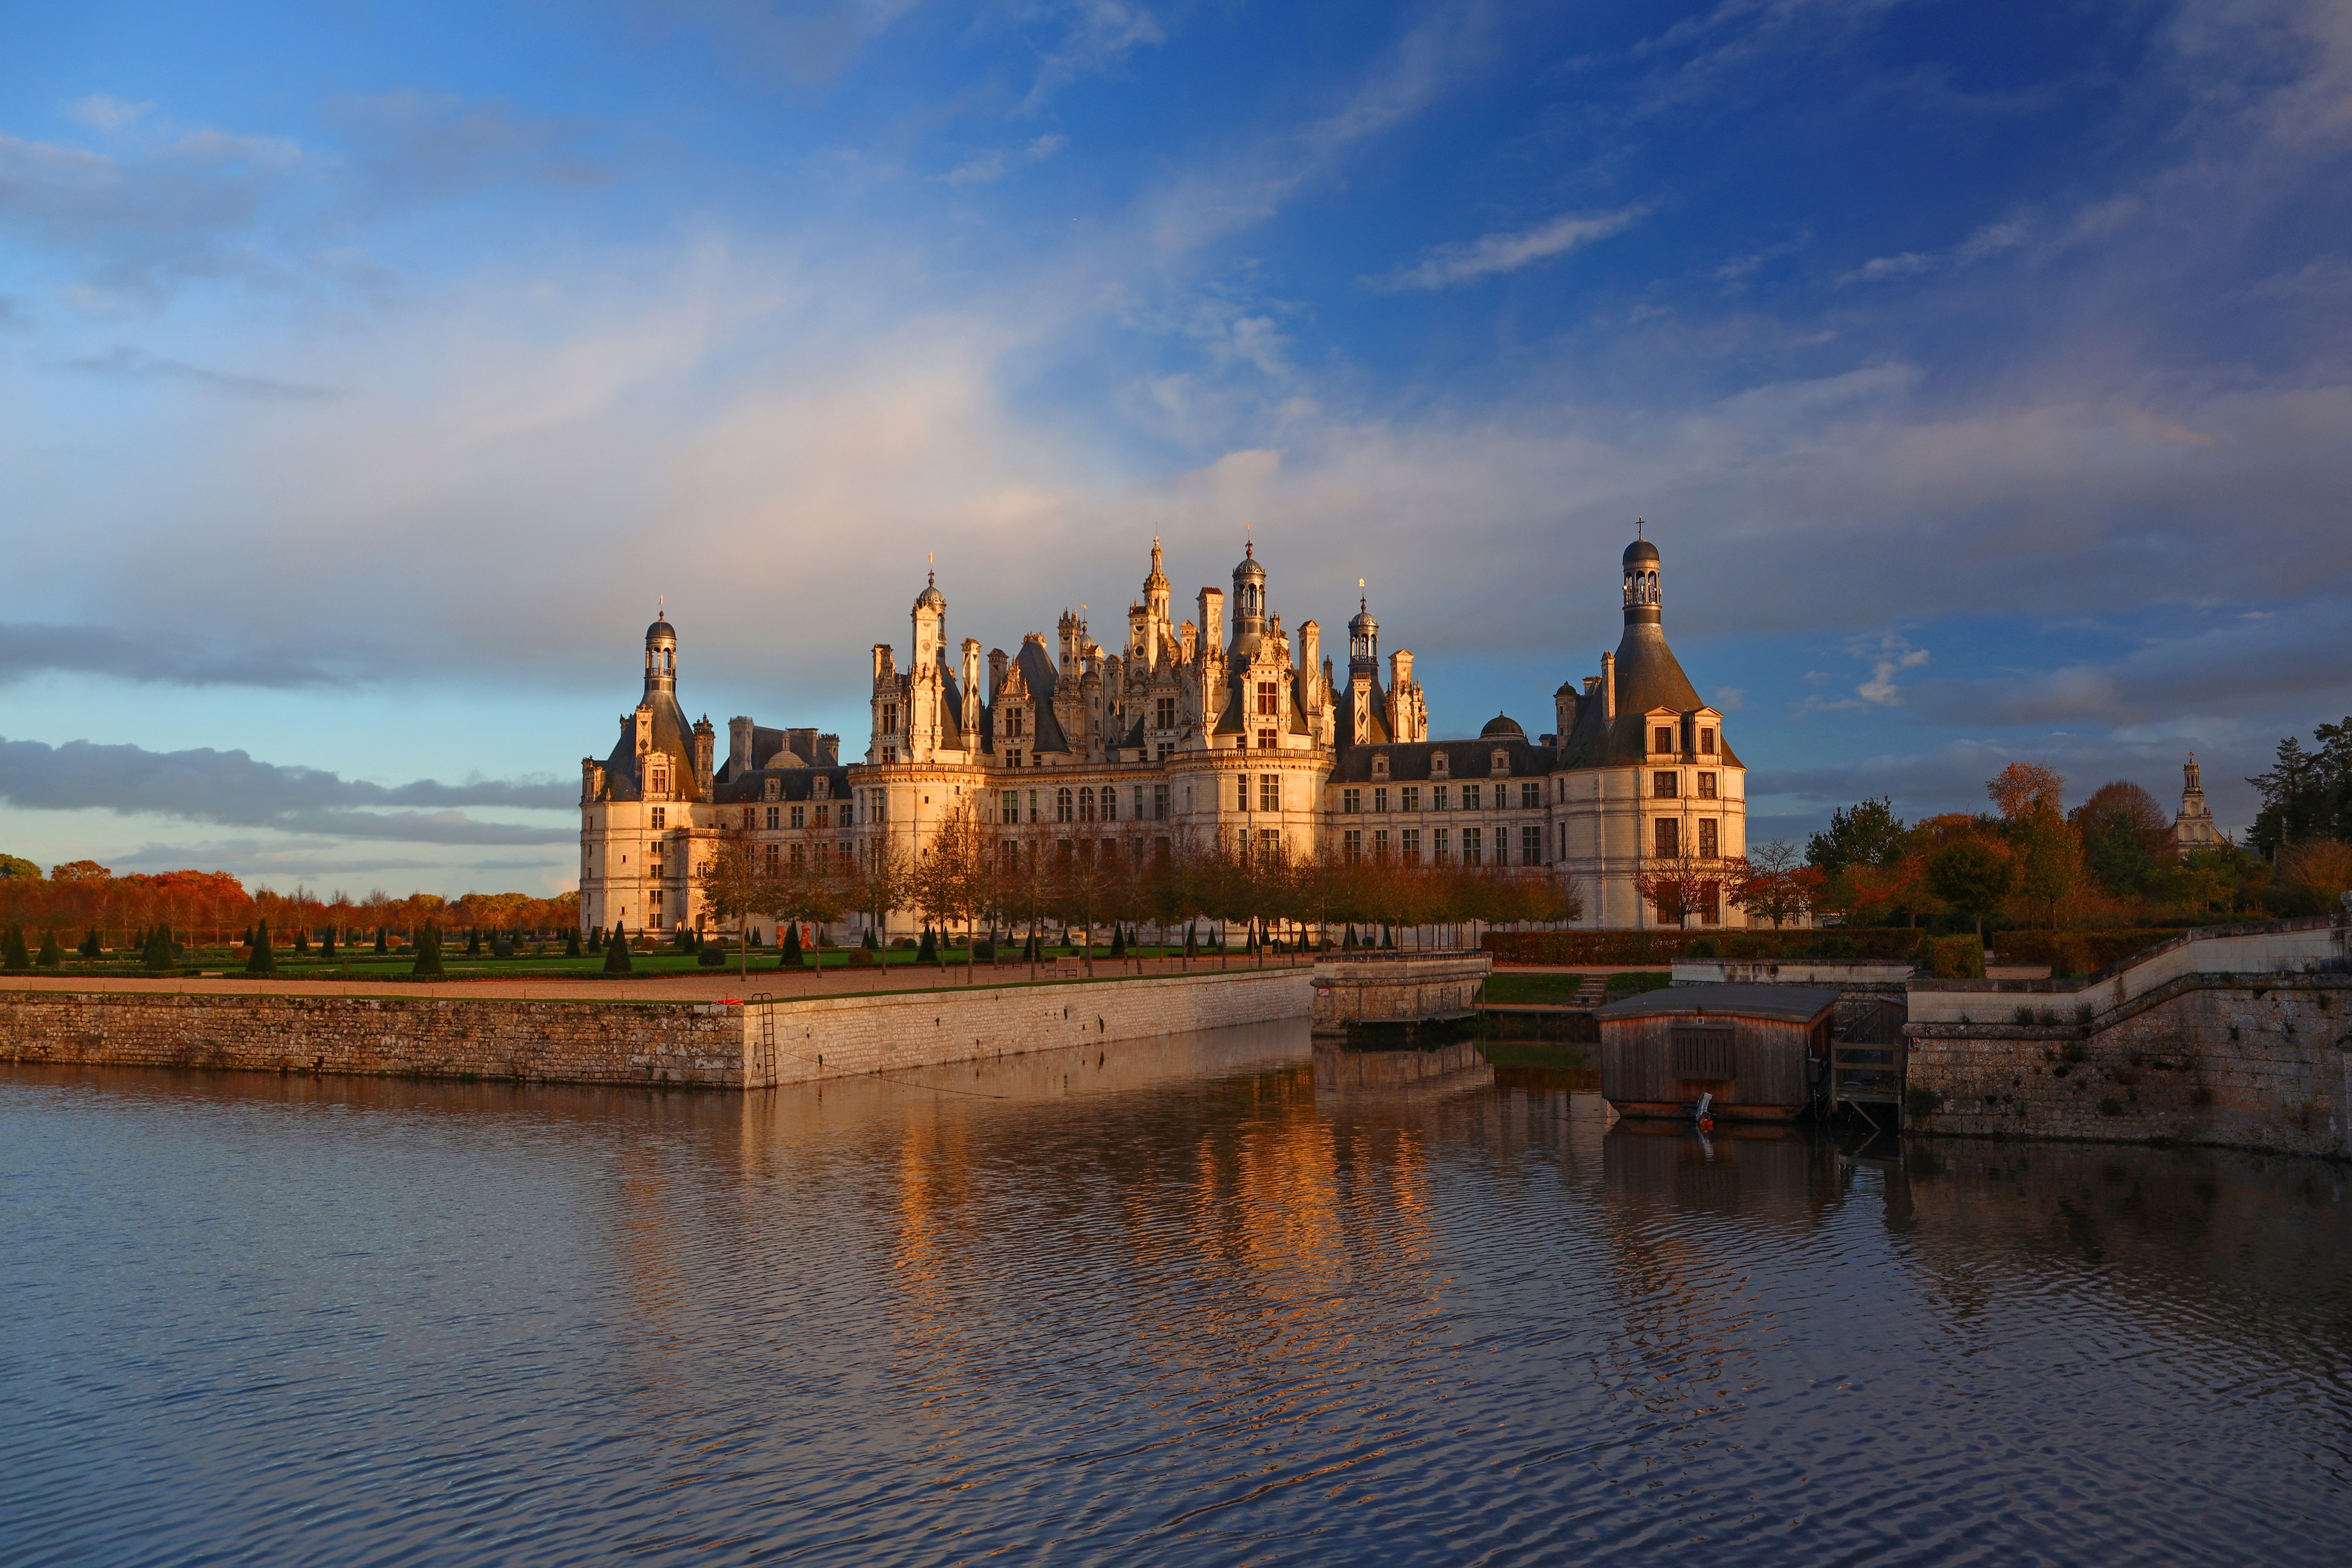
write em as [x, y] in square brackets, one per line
[369, 373]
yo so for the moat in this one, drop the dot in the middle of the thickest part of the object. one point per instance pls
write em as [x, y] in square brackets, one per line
[1166, 1301]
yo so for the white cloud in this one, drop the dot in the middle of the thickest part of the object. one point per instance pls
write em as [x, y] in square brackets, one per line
[1493, 255]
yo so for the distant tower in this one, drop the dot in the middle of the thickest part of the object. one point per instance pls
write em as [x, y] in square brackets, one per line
[661, 657]
[1642, 583]
[1363, 640]
[1249, 597]
[2193, 829]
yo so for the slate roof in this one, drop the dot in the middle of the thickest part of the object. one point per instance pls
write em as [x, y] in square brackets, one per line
[1472, 759]
[672, 736]
[1648, 675]
[795, 784]
[1796, 1004]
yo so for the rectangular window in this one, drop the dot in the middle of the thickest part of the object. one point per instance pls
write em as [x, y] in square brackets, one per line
[1662, 738]
[1437, 797]
[1110, 804]
[889, 717]
[772, 860]
[800, 816]
[1139, 803]
[1470, 797]
[1706, 741]
[1166, 716]
[775, 816]
[1159, 803]
[1265, 740]
[1240, 792]
[1707, 839]
[1410, 845]
[1269, 699]
[1012, 809]
[825, 816]
[1269, 843]
[1710, 904]
[1352, 800]
[1380, 800]
[1666, 837]
[1353, 841]
[1662, 786]
[889, 753]
[796, 854]
[1437, 848]
[1706, 786]
[1065, 804]
[661, 818]
[1473, 848]
[1531, 794]
[1531, 844]
[1380, 844]
[1034, 815]
[1164, 749]
[1269, 792]
[1409, 797]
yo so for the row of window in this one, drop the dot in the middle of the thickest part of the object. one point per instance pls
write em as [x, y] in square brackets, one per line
[1666, 838]
[1668, 786]
[1085, 804]
[1473, 842]
[1473, 798]
[1662, 738]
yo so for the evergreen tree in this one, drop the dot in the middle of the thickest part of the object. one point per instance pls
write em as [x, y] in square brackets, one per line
[327, 945]
[302, 938]
[929, 952]
[572, 942]
[260, 962]
[91, 947]
[596, 939]
[428, 954]
[791, 959]
[13, 953]
[872, 944]
[1117, 940]
[52, 953]
[156, 950]
[616, 951]
[473, 942]
[1191, 941]
[383, 941]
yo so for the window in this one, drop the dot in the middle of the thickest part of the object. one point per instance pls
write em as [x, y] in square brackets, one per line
[1531, 844]
[1164, 715]
[1265, 740]
[1269, 843]
[1710, 904]
[775, 816]
[1531, 794]
[1437, 796]
[1013, 723]
[845, 852]
[889, 753]
[1159, 803]
[1706, 786]
[1437, 840]
[1472, 850]
[889, 717]
[1380, 766]
[1469, 798]
[1164, 749]
[1662, 786]
[656, 901]
[1011, 811]
[772, 789]
[1666, 837]
[797, 855]
[1380, 800]
[1240, 792]
[1706, 741]
[800, 816]
[1269, 699]
[1409, 797]
[1352, 800]
[1706, 843]
[661, 781]
[661, 818]
[825, 815]
[1438, 763]
[1380, 843]
[1352, 843]
[1013, 758]
[1064, 803]
[1110, 804]
[772, 860]
[1034, 814]
[654, 861]
[1662, 738]
[1269, 792]
[1412, 846]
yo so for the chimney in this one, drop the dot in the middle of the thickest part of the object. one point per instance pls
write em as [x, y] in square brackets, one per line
[996, 661]
[738, 745]
[1608, 687]
[971, 694]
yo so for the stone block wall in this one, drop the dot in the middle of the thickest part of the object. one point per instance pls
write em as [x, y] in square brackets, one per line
[554, 1042]
[813, 1039]
[2242, 1061]
[1377, 987]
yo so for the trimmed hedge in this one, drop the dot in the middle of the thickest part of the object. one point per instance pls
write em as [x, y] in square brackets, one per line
[2067, 953]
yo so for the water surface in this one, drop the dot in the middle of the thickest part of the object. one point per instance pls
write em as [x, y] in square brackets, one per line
[1162, 1303]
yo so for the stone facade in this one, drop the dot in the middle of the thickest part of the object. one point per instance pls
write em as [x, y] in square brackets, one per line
[1200, 734]
[1392, 987]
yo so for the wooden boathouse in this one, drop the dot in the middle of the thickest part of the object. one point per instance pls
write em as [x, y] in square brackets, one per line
[1763, 1051]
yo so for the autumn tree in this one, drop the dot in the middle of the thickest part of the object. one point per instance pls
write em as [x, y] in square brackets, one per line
[736, 885]
[1971, 876]
[2022, 788]
[2125, 837]
[1770, 882]
[1677, 886]
[2049, 860]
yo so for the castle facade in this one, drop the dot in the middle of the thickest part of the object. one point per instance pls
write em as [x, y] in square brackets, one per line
[1223, 730]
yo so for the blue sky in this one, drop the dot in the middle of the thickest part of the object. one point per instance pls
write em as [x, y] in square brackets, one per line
[367, 372]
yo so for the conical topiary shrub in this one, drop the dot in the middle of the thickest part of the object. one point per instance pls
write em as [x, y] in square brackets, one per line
[473, 942]
[13, 952]
[872, 944]
[1119, 941]
[792, 958]
[929, 952]
[259, 960]
[52, 952]
[302, 939]
[91, 947]
[616, 950]
[383, 941]
[155, 951]
[428, 953]
[572, 942]
[327, 946]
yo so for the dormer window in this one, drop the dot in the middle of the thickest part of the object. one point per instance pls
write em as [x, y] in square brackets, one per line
[1439, 764]
[1380, 766]
[821, 788]
[1662, 738]
[1502, 763]
[1706, 741]
[772, 789]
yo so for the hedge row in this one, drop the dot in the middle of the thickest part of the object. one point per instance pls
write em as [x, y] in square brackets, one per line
[2067, 952]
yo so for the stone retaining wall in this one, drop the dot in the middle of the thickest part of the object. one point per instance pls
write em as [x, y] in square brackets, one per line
[1396, 987]
[2248, 1062]
[558, 1042]
[809, 1038]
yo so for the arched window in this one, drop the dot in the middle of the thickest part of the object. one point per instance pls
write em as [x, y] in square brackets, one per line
[1085, 805]
[1062, 804]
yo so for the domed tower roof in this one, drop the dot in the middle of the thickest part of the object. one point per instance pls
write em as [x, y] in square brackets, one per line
[661, 655]
[1502, 727]
[1363, 637]
[930, 598]
[660, 631]
[1641, 580]
[1249, 570]
[1640, 550]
